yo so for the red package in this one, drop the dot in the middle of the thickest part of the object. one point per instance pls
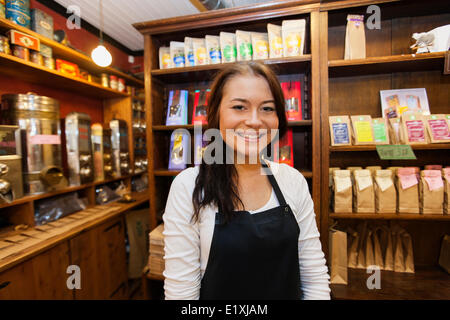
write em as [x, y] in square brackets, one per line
[285, 149]
[293, 99]
[200, 115]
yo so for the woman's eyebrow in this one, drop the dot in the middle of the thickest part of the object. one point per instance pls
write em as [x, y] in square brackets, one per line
[246, 101]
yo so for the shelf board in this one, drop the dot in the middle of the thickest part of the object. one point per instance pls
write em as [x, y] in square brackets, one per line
[387, 64]
[300, 123]
[391, 216]
[425, 283]
[434, 146]
[64, 52]
[173, 173]
[287, 65]
[34, 73]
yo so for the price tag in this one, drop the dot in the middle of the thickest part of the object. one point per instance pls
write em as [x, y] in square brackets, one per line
[396, 152]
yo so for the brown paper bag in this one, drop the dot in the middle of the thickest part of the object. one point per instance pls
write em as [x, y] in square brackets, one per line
[446, 176]
[361, 261]
[355, 38]
[373, 169]
[338, 256]
[377, 251]
[386, 243]
[403, 255]
[342, 191]
[399, 258]
[408, 191]
[352, 247]
[444, 256]
[431, 190]
[408, 252]
[364, 199]
[340, 130]
[385, 193]
[369, 249]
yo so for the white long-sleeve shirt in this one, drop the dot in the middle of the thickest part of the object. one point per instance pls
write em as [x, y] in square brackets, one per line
[187, 244]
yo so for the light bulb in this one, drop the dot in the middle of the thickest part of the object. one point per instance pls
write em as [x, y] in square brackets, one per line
[101, 56]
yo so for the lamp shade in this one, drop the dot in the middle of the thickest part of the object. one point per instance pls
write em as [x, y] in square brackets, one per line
[101, 56]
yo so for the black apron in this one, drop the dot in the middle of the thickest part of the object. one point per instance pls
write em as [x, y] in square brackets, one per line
[255, 256]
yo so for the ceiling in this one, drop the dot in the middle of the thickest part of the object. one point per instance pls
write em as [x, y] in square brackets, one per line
[119, 15]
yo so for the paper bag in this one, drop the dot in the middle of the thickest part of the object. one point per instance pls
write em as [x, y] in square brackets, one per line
[361, 261]
[338, 256]
[385, 193]
[364, 198]
[408, 191]
[377, 251]
[385, 238]
[352, 248]
[431, 189]
[342, 191]
[355, 38]
[137, 228]
[403, 255]
[444, 256]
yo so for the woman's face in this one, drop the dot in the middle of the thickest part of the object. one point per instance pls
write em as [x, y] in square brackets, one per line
[247, 114]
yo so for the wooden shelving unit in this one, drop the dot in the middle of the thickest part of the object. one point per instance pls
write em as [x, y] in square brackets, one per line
[393, 216]
[436, 146]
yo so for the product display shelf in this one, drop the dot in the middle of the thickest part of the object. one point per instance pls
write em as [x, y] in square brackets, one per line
[34, 73]
[391, 216]
[71, 55]
[434, 146]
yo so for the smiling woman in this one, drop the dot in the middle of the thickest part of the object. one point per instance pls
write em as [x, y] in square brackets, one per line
[243, 230]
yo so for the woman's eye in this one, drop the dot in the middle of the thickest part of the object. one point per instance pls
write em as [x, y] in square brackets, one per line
[238, 107]
[268, 109]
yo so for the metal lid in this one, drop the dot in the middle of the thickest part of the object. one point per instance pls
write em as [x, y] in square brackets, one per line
[32, 102]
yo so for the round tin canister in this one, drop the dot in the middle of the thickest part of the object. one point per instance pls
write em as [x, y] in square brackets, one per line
[38, 119]
[49, 63]
[20, 52]
[4, 45]
[37, 58]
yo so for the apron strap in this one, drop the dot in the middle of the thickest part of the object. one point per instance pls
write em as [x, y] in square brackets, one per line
[274, 184]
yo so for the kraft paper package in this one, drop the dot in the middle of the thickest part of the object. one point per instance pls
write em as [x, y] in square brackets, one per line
[352, 247]
[340, 130]
[444, 256]
[331, 185]
[342, 191]
[338, 254]
[293, 33]
[260, 45]
[244, 45]
[355, 38]
[165, 62]
[363, 231]
[431, 190]
[177, 54]
[228, 46]
[377, 248]
[362, 130]
[414, 131]
[373, 169]
[380, 131]
[275, 41]
[446, 176]
[200, 53]
[213, 49]
[403, 250]
[385, 193]
[437, 128]
[408, 191]
[364, 197]
[395, 131]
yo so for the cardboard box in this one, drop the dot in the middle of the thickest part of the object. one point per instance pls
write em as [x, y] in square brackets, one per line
[67, 68]
[24, 40]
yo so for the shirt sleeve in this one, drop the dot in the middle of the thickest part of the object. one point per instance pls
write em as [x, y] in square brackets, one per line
[181, 242]
[313, 269]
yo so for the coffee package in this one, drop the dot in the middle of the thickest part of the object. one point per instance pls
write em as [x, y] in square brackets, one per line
[380, 131]
[177, 54]
[408, 191]
[385, 193]
[228, 47]
[446, 176]
[355, 38]
[362, 130]
[414, 131]
[293, 33]
[433, 167]
[331, 186]
[343, 196]
[189, 52]
[200, 53]
[275, 41]
[431, 192]
[373, 169]
[213, 49]
[437, 128]
[260, 45]
[395, 131]
[244, 45]
[364, 197]
[165, 62]
[340, 130]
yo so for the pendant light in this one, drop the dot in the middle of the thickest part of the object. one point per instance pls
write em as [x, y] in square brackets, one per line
[101, 55]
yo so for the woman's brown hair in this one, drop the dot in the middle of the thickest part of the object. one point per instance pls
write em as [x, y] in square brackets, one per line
[216, 183]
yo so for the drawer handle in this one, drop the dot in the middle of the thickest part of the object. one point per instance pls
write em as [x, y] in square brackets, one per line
[4, 284]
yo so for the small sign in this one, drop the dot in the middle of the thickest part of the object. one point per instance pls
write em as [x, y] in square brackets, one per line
[396, 152]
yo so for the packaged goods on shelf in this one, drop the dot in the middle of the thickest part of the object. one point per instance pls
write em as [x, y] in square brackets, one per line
[244, 45]
[228, 47]
[275, 41]
[11, 185]
[437, 128]
[284, 149]
[395, 103]
[380, 131]
[440, 40]
[343, 195]
[199, 115]
[362, 130]
[120, 147]
[213, 49]
[199, 148]
[37, 58]
[42, 23]
[446, 177]
[338, 256]
[293, 98]
[355, 38]
[407, 190]
[113, 82]
[340, 130]
[373, 169]
[177, 54]
[363, 194]
[20, 52]
[188, 52]
[23, 40]
[179, 150]
[2, 9]
[165, 62]
[67, 68]
[293, 34]
[156, 248]
[385, 192]
[177, 107]
[414, 131]
[395, 130]
[200, 53]
[403, 250]
[52, 209]
[260, 45]
[4, 45]
[431, 192]
[18, 12]
[97, 150]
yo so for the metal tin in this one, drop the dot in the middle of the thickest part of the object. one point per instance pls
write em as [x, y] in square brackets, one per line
[97, 150]
[105, 80]
[42, 23]
[113, 84]
[9, 140]
[11, 184]
[2, 9]
[4, 45]
[36, 57]
[20, 52]
[46, 51]
[121, 85]
[38, 119]
[119, 143]
[107, 154]
[18, 11]
[49, 63]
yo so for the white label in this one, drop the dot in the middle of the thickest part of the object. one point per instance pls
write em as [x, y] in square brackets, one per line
[383, 183]
[364, 182]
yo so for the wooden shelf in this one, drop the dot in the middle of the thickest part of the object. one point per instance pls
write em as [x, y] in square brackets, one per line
[392, 216]
[301, 123]
[425, 283]
[387, 64]
[435, 146]
[288, 65]
[64, 52]
[34, 73]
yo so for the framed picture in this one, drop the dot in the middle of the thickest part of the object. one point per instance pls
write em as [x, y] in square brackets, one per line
[395, 102]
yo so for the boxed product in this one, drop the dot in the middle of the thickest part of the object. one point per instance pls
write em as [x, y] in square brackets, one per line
[362, 130]
[213, 49]
[200, 115]
[189, 52]
[200, 53]
[260, 45]
[199, 148]
[165, 61]
[385, 193]
[395, 130]
[446, 177]
[23, 40]
[179, 144]
[285, 152]
[355, 38]
[18, 12]
[177, 107]
[177, 54]
[380, 131]
[343, 194]
[46, 51]
[364, 200]
[340, 130]
[437, 128]
[293, 98]
[396, 102]
[244, 45]
[42, 23]
[67, 68]
[408, 190]
[293, 34]
[228, 47]
[414, 131]
[275, 41]
[431, 190]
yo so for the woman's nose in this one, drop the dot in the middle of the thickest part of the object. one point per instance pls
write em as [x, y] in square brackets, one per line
[253, 119]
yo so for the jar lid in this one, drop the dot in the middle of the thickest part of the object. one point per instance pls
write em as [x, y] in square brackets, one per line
[31, 101]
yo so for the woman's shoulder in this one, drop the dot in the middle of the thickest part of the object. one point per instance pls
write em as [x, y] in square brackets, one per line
[285, 172]
[186, 178]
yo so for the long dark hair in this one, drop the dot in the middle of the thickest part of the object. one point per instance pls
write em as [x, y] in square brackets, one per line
[216, 184]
